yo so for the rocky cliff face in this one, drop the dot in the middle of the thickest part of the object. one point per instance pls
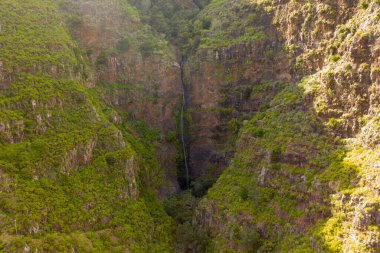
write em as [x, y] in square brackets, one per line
[123, 50]
[228, 65]
[70, 180]
[134, 71]
[327, 56]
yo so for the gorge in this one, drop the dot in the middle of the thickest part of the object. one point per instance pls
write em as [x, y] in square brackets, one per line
[190, 126]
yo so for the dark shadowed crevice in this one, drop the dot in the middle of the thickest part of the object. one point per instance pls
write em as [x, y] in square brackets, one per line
[186, 166]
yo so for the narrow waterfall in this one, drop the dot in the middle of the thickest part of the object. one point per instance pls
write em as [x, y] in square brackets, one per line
[182, 126]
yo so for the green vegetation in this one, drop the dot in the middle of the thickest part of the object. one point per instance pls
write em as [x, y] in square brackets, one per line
[187, 236]
[174, 20]
[49, 51]
[70, 180]
[192, 27]
[241, 23]
[335, 58]
[283, 165]
[123, 44]
[79, 173]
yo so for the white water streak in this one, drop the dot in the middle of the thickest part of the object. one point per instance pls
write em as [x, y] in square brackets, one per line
[182, 128]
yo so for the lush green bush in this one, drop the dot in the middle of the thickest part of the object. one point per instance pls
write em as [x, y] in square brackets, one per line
[123, 44]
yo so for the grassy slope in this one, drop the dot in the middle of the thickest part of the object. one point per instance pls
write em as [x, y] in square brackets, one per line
[276, 184]
[69, 180]
[290, 184]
